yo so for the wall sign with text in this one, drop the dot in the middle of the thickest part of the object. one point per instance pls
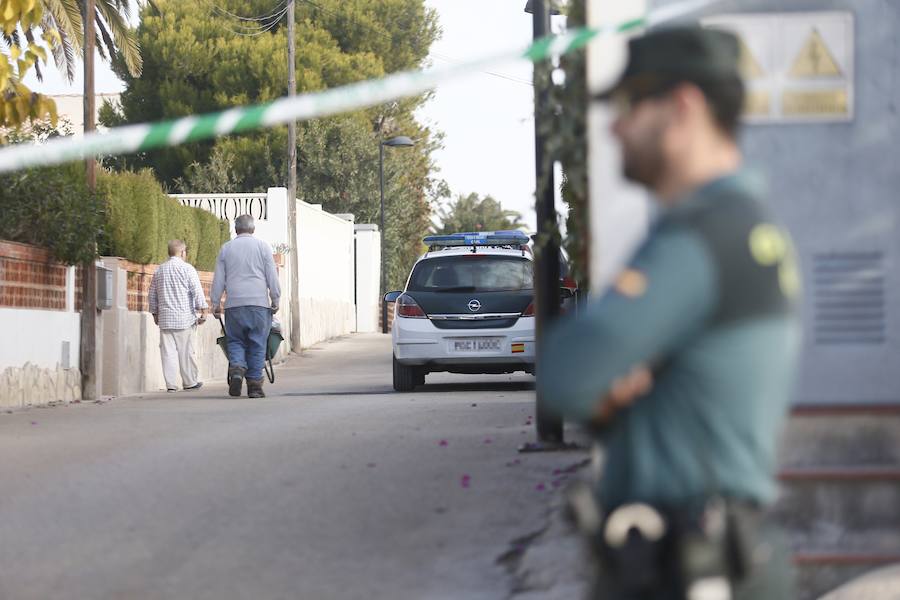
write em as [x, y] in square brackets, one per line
[797, 66]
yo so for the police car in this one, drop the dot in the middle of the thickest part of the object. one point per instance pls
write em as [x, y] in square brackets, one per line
[468, 307]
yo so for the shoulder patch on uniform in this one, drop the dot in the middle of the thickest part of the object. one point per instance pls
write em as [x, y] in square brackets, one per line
[631, 283]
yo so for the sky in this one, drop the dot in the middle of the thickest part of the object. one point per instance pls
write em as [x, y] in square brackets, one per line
[487, 119]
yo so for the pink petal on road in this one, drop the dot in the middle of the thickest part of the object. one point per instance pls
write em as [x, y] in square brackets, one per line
[34, 422]
[442, 443]
[370, 465]
[465, 480]
[488, 441]
[557, 471]
[540, 487]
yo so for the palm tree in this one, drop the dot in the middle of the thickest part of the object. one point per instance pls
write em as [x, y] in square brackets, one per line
[115, 37]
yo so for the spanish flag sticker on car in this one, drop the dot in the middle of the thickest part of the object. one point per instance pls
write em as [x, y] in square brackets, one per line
[518, 347]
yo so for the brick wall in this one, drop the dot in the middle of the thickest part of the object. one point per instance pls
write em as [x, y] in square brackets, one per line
[390, 316]
[30, 278]
[139, 277]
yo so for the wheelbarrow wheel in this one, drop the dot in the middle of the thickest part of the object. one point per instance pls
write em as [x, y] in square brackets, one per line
[270, 371]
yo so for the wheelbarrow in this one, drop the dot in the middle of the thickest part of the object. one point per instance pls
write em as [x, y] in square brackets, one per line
[272, 345]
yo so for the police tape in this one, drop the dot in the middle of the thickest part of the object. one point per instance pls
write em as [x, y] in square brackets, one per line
[129, 139]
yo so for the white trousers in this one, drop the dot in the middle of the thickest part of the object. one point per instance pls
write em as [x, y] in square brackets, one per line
[176, 347]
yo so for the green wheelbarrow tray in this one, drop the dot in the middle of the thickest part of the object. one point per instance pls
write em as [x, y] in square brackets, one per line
[272, 345]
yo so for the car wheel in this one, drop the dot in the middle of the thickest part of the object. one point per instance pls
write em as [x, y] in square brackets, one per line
[406, 378]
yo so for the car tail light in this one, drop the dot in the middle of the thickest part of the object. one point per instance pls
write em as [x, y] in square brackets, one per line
[568, 282]
[409, 308]
[529, 312]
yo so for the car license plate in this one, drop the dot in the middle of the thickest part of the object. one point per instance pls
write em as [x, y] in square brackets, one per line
[476, 345]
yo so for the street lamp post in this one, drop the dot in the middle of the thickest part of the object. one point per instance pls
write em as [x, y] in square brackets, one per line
[400, 140]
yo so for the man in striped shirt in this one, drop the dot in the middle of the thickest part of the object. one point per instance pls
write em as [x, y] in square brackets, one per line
[176, 297]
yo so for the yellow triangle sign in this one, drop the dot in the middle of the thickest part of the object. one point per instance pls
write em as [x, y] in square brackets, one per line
[814, 59]
[747, 64]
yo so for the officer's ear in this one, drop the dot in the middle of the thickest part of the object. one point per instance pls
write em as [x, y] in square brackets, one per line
[689, 104]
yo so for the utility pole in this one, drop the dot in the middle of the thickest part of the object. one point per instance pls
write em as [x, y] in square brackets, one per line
[292, 187]
[89, 382]
[549, 426]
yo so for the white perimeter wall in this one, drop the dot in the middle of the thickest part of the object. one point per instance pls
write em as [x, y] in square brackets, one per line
[368, 275]
[39, 353]
[325, 264]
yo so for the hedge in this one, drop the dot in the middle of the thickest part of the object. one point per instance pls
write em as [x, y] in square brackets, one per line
[51, 207]
[129, 216]
[142, 218]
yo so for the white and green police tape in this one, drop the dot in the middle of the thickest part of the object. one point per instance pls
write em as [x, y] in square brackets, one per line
[147, 136]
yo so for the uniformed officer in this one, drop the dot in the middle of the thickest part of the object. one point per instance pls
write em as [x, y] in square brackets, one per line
[685, 367]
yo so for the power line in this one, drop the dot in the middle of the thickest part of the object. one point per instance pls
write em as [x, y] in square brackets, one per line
[278, 11]
[246, 29]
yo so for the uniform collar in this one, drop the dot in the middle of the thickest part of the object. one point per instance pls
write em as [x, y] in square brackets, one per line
[743, 179]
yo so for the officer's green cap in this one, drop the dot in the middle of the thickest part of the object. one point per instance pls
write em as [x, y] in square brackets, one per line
[663, 57]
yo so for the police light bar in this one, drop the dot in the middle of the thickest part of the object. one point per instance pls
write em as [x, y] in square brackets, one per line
[478, 238]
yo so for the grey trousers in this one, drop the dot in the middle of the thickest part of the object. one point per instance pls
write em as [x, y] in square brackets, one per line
[176, 348]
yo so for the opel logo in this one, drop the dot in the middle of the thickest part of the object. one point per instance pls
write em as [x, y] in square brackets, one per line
[474, 305]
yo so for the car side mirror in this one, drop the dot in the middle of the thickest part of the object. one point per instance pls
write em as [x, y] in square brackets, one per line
[392, 296]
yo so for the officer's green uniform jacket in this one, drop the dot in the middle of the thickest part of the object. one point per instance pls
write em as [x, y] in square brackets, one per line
[708, 304]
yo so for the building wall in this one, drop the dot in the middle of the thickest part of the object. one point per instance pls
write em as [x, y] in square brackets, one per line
[40, 328]
[70, 107]
[326, 281]
[834, 185]
[130, 339]
[368, 274]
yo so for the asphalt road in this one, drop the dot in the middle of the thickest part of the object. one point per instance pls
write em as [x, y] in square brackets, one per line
[333, 487]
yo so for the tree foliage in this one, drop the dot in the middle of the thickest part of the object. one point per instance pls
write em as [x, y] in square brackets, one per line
[472, 213]
[51, 207]
[21, 34]
[114, 36]
[198, 61]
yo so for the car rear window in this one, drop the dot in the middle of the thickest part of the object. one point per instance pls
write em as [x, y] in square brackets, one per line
[472, 273]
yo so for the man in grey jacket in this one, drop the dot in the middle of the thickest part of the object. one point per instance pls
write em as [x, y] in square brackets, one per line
[245, 272]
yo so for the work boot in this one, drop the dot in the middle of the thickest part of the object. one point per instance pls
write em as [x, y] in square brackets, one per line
[254, 388]
[236, 380]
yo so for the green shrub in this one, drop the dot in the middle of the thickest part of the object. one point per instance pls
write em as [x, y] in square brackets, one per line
[133, 215]
[143, 218]
[129, 216]
[51, 207]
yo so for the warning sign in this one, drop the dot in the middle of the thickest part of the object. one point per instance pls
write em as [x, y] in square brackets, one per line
[819, 102]
[796, 66]
[750, 68]
[814, 59]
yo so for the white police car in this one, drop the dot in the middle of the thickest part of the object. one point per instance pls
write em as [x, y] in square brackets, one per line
[468, 307]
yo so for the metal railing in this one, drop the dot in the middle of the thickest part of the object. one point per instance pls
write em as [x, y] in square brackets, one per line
[228, 206]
